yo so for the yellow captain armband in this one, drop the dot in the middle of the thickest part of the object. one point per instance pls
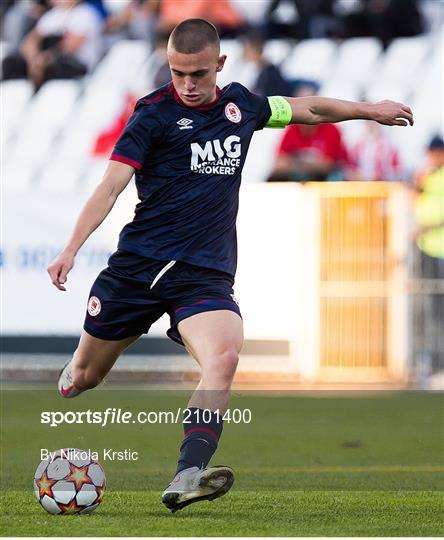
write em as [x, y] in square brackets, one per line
[280, 112]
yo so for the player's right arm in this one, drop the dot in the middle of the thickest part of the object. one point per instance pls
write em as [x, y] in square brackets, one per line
[318, 110]
[97, 207]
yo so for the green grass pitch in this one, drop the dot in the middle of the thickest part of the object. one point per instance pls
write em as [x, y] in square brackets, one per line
[306, 465]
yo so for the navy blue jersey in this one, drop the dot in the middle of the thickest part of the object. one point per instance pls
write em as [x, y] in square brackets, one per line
[188, 164]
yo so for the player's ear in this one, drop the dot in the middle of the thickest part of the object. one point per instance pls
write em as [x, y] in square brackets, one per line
[221, 62]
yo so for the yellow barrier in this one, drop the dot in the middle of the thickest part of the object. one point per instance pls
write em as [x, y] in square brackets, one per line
[363, 243]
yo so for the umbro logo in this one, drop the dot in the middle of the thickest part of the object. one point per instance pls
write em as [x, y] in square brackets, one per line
[184, 123]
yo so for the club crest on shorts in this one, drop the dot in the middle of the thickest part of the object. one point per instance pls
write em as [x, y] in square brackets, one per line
[94, 306]
[232, 112]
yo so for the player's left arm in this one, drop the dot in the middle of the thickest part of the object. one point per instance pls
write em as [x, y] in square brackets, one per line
[319, 110]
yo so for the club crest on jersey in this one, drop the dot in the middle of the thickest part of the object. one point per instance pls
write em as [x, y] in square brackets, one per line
[185, 123]
[94, 306]
[232, 112]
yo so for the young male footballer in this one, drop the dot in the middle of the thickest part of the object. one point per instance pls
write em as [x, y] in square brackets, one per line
[187, 143]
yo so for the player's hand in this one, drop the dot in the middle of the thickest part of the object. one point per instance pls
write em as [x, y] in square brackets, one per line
[59, 268]
[391, 113]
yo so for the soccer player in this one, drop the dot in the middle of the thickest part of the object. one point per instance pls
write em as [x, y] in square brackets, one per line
[187, 143]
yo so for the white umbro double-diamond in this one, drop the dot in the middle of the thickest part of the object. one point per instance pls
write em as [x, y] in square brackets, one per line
[184, 123]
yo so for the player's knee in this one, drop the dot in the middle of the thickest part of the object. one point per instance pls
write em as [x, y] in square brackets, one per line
[223, 367]
[85, 379]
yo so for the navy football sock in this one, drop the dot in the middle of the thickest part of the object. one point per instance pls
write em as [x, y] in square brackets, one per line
[202, 432]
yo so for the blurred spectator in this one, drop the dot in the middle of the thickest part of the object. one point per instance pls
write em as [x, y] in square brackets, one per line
[310, 152]
[20, 19]
[301, 19]
[429, 210]
[253, 13]
[384, 19]
[101, 10]
[106, 140]
[373, 157]
[5, 6]
[429, 233]
[434, 161]
[269, 80]
[221, 13]
[137, 19]
[65, 43]
[281, 20]
[160, 75]
[159, 67]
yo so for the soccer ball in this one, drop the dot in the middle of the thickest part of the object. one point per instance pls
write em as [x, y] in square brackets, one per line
[69, 482]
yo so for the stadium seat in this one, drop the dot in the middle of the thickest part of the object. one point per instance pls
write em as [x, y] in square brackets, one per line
[97, 109]
[428, 120]
[144, 84]
[341, 90]
[52, 104]
[93, 173]
[382, 89]
[253, 13]
[411, 145]
[122, 63]
[46, 114]
[247, 75]
[233, 49]
[433, 15]
[17, 177]
[15, 95]
[99, 104]
[432, 72]
[310, 59]
[58, 128]
[56, 177]
[425, 115]
[403, 59]
[357, 59]
[351, 131]
[261, 155]
[277, 50]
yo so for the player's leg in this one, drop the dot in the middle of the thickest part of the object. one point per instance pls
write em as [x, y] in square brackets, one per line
[91, 361]
[119, 310]
[214, 339]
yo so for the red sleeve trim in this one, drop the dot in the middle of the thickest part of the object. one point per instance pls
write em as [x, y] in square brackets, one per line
[127, 161]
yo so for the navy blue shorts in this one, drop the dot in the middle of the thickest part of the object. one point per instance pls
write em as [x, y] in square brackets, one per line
[133, 292]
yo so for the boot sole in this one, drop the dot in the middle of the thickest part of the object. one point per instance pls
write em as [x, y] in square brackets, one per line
[170, 499]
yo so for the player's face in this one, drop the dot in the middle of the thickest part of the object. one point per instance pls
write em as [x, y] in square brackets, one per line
[194, 75]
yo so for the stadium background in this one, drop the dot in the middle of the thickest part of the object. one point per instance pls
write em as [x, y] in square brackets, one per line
[331, 283]
[329, 277]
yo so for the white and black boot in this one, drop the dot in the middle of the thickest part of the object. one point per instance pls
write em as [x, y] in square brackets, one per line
[194, 484]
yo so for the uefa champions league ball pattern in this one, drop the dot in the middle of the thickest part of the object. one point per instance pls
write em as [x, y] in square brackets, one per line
[71, 483]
